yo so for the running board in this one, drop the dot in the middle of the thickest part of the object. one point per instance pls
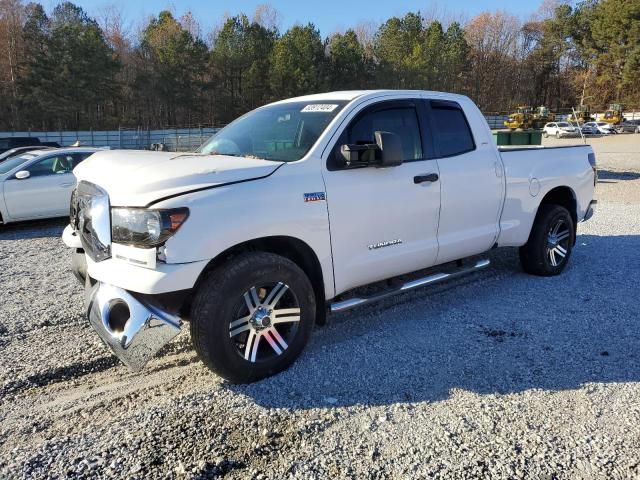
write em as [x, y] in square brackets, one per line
[420, 282]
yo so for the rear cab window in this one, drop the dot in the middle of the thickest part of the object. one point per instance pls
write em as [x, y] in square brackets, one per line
[451, 131]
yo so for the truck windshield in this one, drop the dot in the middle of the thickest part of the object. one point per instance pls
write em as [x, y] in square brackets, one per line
[283, 132]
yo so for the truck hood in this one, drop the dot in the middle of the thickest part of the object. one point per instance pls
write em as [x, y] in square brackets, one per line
[137, 178]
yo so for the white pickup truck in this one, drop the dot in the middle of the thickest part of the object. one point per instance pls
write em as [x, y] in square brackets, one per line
[282, 214]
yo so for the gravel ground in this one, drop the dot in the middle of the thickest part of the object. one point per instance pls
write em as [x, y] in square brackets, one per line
[498, 375]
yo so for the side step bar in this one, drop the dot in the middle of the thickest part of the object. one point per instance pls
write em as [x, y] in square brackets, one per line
[420, 282]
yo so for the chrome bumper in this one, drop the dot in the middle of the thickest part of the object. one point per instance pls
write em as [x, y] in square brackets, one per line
[133, 330]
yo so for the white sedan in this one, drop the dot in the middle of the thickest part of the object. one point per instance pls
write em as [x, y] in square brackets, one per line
[603, 128]
[560, 129]
[38, 183]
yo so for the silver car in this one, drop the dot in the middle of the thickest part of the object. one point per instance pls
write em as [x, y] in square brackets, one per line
[38, 183]
[560, 129]
[601, 128]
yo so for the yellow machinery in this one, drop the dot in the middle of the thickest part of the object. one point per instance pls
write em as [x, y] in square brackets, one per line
[582, 115]
[613, 115]
[541, 116]
[522, 118]
[526, 117]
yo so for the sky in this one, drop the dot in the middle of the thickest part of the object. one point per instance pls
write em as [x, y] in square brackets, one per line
[328, 15]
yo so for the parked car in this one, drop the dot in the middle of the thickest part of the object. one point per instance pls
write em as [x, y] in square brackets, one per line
[7, 143]
[601, 128]
[632, 126]
[16, 152]
[38, 183]
[285, 211]
[560, 129]
[589, 128]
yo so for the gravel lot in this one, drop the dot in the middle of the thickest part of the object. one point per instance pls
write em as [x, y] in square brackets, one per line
[494, 375]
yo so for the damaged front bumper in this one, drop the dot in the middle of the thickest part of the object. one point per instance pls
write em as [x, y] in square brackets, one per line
[133, 329]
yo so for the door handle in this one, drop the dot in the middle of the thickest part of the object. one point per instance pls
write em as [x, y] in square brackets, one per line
[432, 177]
[65, 185]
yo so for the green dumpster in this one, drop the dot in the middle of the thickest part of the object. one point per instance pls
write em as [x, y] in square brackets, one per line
[536, 137]
[502, 137]
[515, 138]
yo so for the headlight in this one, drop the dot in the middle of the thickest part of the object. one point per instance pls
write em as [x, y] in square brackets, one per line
[144, 228]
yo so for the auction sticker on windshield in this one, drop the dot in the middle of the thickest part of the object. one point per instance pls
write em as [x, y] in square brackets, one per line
[319, 107]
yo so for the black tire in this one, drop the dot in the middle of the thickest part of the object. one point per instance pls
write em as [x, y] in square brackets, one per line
[545, 134]
[220, 300]
[536, 256]
[558, 135]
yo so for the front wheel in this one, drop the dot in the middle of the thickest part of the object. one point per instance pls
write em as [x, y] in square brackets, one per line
[550, 243]
[545, 134]
[252, 317]
[558, 135]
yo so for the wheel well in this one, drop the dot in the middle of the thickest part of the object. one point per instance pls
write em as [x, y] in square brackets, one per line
[564, 197]
[289, 247]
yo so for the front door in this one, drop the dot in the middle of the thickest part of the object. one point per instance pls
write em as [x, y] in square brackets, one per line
[47, 191]
[384, 221]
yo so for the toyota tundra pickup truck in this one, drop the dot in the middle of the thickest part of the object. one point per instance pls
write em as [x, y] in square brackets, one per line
[281, 216]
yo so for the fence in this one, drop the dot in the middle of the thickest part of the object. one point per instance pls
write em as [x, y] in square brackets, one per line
[178, 139]
[496, 121]
[171, 139]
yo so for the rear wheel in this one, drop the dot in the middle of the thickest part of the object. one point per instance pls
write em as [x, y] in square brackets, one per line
[550, 243]
[252, 317]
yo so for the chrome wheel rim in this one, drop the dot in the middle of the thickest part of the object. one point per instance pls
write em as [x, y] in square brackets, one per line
[558, 243]
[266, 322]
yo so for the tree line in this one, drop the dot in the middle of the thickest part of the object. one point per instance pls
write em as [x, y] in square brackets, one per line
[68, 70]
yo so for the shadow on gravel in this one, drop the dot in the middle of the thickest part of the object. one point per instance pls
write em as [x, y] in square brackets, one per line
[33, 229]
[617, 175]
[49, 377]
[502, 332]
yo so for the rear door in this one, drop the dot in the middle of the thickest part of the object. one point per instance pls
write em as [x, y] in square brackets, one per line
[384, 221]
[47, 191]
[471, 181]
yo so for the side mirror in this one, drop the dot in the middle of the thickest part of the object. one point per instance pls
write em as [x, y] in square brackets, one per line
[359, 155]
[390, 147]
[22, 175]
[386, 152]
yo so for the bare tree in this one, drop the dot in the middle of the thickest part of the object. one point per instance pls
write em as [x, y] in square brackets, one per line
[115, 32]
[366, 33]
[268, 17]
[437, 12]
[11, 21]
[190, 24]
[494, 38]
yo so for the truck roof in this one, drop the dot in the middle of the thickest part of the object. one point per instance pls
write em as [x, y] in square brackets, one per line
[353, 94]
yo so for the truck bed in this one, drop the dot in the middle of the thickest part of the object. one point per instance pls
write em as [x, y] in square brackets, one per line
[533, 172]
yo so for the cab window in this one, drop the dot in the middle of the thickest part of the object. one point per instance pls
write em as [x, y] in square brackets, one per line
[398, 117]
[450, 129]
